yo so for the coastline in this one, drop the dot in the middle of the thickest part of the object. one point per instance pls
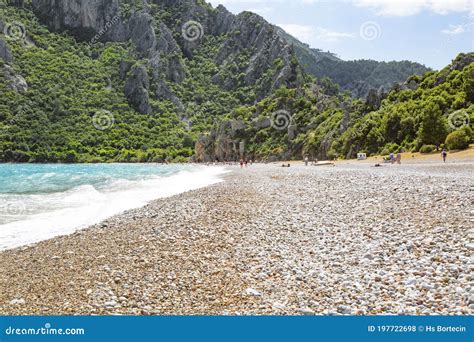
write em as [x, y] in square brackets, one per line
[266, 241]
[54, 211]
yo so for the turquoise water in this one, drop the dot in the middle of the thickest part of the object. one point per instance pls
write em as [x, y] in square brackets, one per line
[38, 202]
[31, 178]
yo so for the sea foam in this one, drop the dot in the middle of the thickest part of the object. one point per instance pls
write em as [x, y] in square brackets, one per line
[31, 216]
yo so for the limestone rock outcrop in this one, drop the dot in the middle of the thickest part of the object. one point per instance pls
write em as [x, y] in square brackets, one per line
[136, 89]
[5, 52]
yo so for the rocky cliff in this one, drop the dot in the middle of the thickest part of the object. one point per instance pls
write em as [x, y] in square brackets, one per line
[88, 18]
[12, 78]
[165, 42]
[150, 80]
[5, 52]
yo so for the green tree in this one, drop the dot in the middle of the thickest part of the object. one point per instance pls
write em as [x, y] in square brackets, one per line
[459, 140]
[433, 129]
[469, 83]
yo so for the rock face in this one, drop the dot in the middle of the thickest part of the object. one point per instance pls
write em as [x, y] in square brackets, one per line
[157, 41]
[462, 62]
[17, 3]
[223, 143]
[201, 150]
[136, 89]
[84, 18]
[5, 52]
[374, 99]
[15, 81]
[162, 44]
[142, 33]
[246, 31]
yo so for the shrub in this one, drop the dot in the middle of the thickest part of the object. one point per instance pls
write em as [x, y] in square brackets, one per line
[394, 148]
[427, 148]
[458, 140]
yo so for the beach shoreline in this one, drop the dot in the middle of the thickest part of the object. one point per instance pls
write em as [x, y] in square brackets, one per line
[458, 156]
[42, 210]
[266, 241]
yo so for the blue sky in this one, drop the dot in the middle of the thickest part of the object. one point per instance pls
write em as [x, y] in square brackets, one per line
[431, 32]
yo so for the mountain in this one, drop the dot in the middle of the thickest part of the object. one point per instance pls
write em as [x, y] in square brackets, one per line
[357, 77]
[360, 76]
[152, 76]
[315, 120]
[163, 80]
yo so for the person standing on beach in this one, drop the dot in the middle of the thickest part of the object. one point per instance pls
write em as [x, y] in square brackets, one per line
[241, 163]
[399, 158]
[444, 154]
[306, 160]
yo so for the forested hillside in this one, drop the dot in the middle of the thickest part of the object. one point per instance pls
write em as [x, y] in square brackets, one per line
[423, 114]
[162, 80]
[357, 77]
[124, 81]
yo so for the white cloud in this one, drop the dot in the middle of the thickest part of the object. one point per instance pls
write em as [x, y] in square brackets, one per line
[326, 35]
[302, 32]
[307, 33]
[261, 10]
[458, 29]
[381, 7]
[412, 7]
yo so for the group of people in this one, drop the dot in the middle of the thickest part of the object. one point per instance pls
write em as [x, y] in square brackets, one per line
[245, 162]
[392, 159]
[398, 159]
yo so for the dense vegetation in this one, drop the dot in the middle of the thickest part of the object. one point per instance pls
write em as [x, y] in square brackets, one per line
[440, 103]
[357, 77]
[70, 86]
[74, 108]
[332, 125]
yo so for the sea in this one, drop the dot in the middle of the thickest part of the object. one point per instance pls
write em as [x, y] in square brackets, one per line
[42, 201]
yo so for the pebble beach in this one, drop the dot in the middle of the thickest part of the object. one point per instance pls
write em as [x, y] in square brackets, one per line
[345, 240]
